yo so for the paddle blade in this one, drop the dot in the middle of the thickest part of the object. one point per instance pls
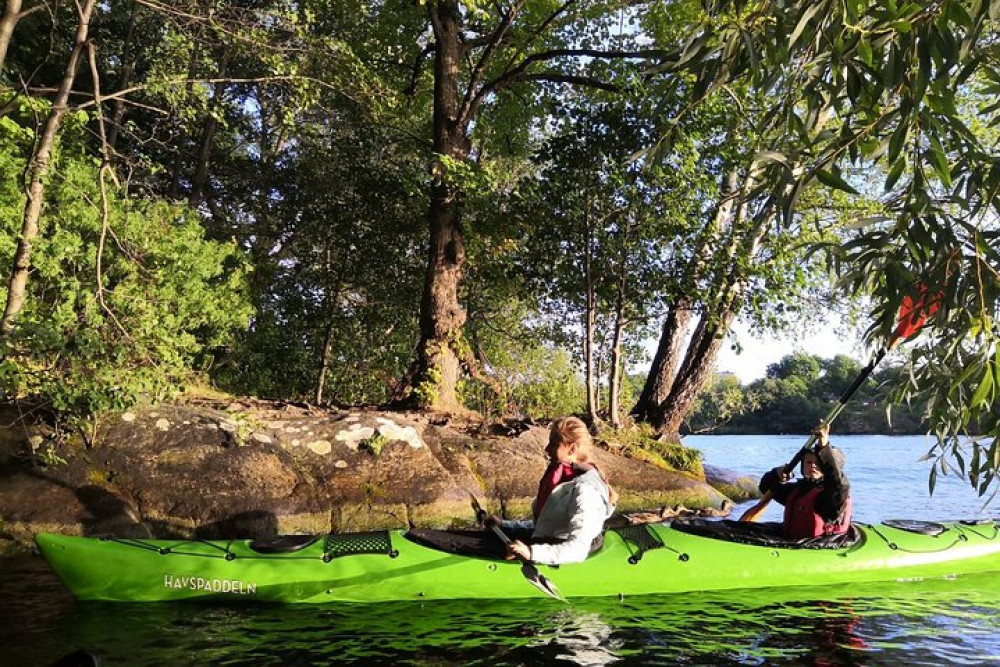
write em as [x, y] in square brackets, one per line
[540, 581]
[915, 310]
[754, 512]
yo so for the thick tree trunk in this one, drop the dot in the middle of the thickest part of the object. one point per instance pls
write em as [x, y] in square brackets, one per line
[441, 315]
[697, 369]
[38, 170]
[744, 242]
[665, 382]
[666, 360]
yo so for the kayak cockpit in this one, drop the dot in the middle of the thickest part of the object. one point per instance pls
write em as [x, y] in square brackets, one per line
[475, 543]
[765, 534]
[281, 544]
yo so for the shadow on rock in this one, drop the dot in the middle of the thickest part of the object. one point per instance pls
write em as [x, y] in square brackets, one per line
[109, 514]
[253, 524]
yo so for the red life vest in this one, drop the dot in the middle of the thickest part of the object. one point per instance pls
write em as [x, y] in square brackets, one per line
[555, 474]
[801, 519]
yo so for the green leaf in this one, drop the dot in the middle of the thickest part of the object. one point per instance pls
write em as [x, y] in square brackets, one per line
[940, 163]
[897, 139]
[772, 156]
[803, 21]
[996, 367]
[984, 390]
[832, 179]
[894, 173]
[865, 51]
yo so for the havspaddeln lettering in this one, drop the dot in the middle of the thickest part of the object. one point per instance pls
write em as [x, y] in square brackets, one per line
[234, 586]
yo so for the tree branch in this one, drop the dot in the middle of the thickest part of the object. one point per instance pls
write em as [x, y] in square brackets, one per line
[477, 73]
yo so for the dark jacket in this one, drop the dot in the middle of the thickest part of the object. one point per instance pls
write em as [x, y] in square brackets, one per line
[835, 489]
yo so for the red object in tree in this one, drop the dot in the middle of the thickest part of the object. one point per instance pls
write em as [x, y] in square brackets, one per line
[913, 313]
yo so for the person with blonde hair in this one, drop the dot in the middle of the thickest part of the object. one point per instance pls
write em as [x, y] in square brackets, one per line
[573, 501]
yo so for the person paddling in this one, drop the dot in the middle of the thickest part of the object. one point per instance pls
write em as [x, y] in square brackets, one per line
[819, 503]
[573, 501]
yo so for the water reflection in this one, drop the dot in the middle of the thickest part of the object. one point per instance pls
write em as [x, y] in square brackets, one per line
[933, 622]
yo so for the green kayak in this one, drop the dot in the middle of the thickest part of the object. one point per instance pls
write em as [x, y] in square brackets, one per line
[397, 565]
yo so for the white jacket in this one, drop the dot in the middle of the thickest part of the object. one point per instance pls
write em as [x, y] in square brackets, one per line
[574, 514]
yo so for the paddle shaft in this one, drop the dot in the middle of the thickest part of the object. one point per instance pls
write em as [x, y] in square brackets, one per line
[528, 569]
[755, 511]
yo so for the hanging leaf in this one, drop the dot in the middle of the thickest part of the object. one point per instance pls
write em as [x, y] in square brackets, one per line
[940, 163]
[832, 179]
[985, 390]
[803, 22]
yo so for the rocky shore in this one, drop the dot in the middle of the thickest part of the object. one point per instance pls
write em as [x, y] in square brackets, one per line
[212, 469]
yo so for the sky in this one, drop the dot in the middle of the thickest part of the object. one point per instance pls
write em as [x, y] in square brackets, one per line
[757, 354]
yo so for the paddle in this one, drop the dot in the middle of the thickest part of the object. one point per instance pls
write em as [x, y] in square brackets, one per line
[528, 569]
[912, 315]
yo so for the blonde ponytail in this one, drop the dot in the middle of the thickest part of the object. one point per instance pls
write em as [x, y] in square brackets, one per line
[572, 430]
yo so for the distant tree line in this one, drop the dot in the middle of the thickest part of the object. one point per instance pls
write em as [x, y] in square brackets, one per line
[796, 394]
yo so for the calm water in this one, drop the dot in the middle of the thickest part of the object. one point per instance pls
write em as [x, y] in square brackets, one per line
[920, 623]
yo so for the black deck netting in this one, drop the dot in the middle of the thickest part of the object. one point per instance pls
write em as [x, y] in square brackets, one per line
[348, 544]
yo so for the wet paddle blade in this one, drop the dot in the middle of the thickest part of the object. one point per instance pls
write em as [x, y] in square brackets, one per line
[540, 581]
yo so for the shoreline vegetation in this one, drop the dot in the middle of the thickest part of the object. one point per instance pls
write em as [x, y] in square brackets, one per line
[796, 394]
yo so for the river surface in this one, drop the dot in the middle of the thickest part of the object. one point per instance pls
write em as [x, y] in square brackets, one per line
[938, 622]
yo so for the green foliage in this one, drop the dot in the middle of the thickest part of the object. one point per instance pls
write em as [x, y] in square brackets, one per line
[720, 400]
[640, 443]
[909, 92]
[116, 309]
[535, 381]
[678, 457]
[798, 393]
[426, 392]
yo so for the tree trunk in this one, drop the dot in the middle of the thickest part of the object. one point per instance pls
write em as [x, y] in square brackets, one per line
[697, 369]
[332, 297]
[200, 180]
[616, 372]
[665, 382]
[590, 314]
[38, 170]
[441, 315]
[711, 330]
[128, 66]
[11, 15]
[669, 351]
[617, 362]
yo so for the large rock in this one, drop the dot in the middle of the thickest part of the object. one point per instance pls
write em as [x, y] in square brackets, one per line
[251, 469]
[734, 485]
